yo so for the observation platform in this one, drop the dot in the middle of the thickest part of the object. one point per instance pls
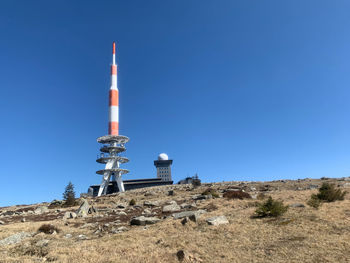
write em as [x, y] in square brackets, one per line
[113, 170]
[119, 139]
[105, 160]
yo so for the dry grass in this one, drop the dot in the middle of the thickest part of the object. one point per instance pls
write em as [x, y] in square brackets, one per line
[300, 235]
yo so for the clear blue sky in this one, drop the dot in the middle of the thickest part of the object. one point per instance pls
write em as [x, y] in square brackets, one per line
[233, 90]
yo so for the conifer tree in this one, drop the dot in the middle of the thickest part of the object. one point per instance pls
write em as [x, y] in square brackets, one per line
[69, 195]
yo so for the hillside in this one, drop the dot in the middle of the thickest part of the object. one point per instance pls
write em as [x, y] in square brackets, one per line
[102, 232]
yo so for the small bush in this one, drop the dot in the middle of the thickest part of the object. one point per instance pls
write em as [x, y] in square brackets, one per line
[48, 229]
[271, 208]
[237, 195]
[196, 182]
[328, 193]
[211, 192]
[132, 202]
[314, 201]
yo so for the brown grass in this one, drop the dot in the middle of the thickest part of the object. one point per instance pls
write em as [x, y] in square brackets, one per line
[301, 235]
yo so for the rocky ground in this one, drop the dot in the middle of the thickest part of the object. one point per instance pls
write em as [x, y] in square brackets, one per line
[179, 224]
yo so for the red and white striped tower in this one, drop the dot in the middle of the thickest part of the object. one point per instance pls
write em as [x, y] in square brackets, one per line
[113, 143]
[113, 126]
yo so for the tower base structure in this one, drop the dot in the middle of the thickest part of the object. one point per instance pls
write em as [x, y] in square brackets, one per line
[112, 147]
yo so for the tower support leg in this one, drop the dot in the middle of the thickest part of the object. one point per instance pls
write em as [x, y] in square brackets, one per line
[104, 184]
[120, 183]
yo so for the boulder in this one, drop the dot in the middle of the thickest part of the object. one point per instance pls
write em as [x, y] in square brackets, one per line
[42, 243]
[297, 205]
[217, 220]
[142, 220]
[171, 208]
[83, 210]
[151, 203]
[14, 239]
[41, 209]
[69, 215]
[189, 214]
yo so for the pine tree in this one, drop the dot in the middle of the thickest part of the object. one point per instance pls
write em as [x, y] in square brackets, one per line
[69, 195]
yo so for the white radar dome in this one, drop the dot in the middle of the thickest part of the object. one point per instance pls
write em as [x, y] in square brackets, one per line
[163, 157]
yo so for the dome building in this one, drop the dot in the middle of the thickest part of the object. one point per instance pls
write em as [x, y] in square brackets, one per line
[163, 165]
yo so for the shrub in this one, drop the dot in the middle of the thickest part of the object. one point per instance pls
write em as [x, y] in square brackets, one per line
[314, 201]
[212, 192]
[196, 182]
[271, 208]
[132, 202]
[69, 195]
[329, 193]
[237, 195]
[326, 193]
[48, 229]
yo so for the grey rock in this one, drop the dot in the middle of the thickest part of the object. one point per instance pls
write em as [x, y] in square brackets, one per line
[201, 197]
[172, 202]
[122, 206]
[23, 220]
[69, 215]
[217, 220]
[122, 213]
[186, 206]
[297, 205]
[42, 243]
[83, 210]
[151, 203]
[312, 186]
[14, 239]
[41, 210]
[68, 236]
[82, 237]
[142, 220]
[2, 222]
[171, 208]
[189, 214]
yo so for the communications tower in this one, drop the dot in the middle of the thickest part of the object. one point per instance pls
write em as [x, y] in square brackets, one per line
[113, 143]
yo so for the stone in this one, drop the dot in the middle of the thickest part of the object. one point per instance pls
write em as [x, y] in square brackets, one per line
[69, 215]
[150, 193]
[151, 203]
[189, 214]
[142, 220]
[14, 239]
[188, 206]
[42, 243]
[122, 206]
[171, 208]
[297, 205]
[68, 236]
[83, 210]
[217, 220]
[82, 237]
[171, 193]
[122, 213]
[202, 197]
[2, 222]
[23, 220]
[312, 186]
[41, 209]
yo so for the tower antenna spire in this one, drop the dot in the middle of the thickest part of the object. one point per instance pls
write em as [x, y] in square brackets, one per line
[113, 53]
